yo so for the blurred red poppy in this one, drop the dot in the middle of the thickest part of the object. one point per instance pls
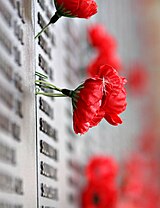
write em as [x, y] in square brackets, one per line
[101, 168]
[138, 78]
[107, 49]
[99, 38]
[100, 195]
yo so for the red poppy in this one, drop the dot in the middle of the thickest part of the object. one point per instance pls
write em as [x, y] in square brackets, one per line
[99, 38]
[101, 168]
[101, 96]
[101, 195]
[71, 8]
[98, 97]
[76, 8]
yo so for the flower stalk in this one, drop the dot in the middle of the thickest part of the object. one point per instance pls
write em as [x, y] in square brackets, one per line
[51, 94]
[47, 85]
[54, 19]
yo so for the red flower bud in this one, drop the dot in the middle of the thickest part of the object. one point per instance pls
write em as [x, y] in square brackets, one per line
[76, 8]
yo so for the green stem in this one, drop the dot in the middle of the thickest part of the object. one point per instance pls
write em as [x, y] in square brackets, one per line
[48, 85]
[54, 19]
[41, 75]
[43, 29]
[50, 94]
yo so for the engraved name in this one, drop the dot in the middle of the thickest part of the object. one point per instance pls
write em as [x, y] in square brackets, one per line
[49, 192]
[48, 170]
[48, 129]
[48, 150]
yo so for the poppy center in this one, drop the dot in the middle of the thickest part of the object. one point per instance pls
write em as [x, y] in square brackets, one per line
[96, 199]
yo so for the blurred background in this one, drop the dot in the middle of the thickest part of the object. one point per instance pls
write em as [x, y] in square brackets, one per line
[43, 163]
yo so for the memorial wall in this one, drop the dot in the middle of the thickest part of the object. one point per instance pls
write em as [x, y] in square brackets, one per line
[42, 159]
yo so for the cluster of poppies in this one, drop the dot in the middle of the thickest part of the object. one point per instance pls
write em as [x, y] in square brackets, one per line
[106, 46]
[135, 185]
[101, 188]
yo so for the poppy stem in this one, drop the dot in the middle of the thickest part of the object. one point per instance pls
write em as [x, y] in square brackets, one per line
[50, 94]
[53, 19]
[43, 29]
[47, 85]
[41, 75]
